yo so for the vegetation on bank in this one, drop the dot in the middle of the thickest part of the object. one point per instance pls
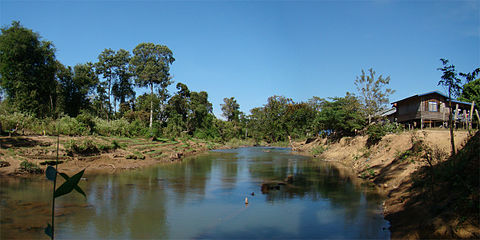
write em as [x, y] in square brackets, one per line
[39, 95]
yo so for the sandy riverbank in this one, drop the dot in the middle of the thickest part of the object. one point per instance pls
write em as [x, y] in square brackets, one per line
[94, 153]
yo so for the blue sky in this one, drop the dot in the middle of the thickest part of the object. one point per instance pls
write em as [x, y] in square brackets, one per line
[255, 49]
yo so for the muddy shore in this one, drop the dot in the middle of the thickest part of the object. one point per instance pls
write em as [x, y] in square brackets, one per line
[96, 154]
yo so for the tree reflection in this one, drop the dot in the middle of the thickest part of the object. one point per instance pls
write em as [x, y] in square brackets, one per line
[291, 177]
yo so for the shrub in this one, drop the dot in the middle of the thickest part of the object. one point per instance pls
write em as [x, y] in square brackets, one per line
[377, 131]
[87, 120]
[318, 150]
[17, 121]
[70, 126]
[135, 155]
[30, 167]
[85, 147]
[114, 145]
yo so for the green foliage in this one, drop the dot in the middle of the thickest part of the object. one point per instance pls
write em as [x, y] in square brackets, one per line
[319, 150]
[85, 147]
[70, 184]
[235, 143]
[27, 69]
[230, 109]
[373, 92]
[119, 127]
[122, 88]
[341, 117]
[471, 92]
[136, 155]
[71, 126]
[377, 131]
[87, 120]
[30, 167]
[74, 86]
[150, 66]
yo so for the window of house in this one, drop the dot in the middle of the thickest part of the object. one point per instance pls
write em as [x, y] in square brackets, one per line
[432, 107]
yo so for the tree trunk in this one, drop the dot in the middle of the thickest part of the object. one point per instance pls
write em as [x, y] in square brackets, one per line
[109, 109]
[450, 122]
[151, 105]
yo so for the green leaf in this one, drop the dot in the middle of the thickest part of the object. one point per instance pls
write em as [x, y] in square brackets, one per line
[76, 187]
[50, 173]
[49, 230]
[68, 185]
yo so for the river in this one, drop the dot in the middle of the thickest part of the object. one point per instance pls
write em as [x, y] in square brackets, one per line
[203, 197]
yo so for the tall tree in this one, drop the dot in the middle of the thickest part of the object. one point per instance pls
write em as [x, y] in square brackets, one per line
[199, 109]
[122, 88]
[276, 118]
[373, 91]
[452, 84]
[74, 86]
[341, 116]
[179, 103]
[105, 67]
[230, 109]
[150, 65]
[27, 70]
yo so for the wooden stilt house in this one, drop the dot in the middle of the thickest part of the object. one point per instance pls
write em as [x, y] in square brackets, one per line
[429, 110]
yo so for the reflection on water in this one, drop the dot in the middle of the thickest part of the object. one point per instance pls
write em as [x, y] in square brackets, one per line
[203, 197]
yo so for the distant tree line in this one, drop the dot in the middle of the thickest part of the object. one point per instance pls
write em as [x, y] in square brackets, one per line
[37, 91]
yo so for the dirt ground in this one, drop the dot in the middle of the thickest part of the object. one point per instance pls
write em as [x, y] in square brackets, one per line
[390, 165]
[129, 153]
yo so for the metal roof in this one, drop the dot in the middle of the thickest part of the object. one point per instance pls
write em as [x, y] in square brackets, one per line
[432, 92]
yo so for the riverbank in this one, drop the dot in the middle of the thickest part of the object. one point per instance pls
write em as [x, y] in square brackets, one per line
[23, 155]
[415, 171]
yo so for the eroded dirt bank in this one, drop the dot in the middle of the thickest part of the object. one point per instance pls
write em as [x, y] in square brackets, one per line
[429, 194]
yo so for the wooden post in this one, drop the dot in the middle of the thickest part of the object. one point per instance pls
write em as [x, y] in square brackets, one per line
[421, 123]
[455, 117]
[471, 115]
[478, 126]
[465, 123]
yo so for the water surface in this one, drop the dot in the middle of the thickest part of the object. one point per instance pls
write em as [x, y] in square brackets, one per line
[203, 197]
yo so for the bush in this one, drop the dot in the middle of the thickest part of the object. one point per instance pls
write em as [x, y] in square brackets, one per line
[319, 150]
[72, 127]
[87, 120]
[114, 145]
[136, 155]
[85, 147]
[30, 167]
[17, 122]
[119, 127]
[377, 131]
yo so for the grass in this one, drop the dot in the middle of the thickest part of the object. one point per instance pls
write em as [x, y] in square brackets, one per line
[136, 155]
[30, 167]
[319, 150]
[155, 152]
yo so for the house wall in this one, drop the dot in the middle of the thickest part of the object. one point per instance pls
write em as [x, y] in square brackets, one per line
[417, 108]
[442, 110]
[407, 110]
